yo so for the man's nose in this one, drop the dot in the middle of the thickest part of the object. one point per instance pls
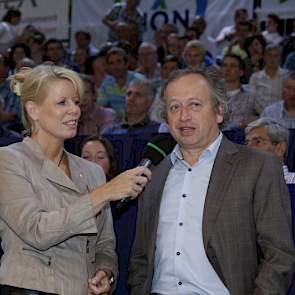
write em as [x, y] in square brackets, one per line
[185, 113]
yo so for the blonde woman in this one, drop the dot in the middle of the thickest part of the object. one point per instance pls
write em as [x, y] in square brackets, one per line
[56, 225]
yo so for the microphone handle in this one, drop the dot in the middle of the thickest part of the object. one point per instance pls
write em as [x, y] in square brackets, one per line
[121, 204]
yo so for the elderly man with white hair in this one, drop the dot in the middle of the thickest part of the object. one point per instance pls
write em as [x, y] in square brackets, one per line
[267, 135]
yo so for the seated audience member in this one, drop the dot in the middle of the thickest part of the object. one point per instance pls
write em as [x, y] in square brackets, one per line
[254, 46]
[271, 33]
[169, 64]
[192, 33]
[172, 45]
[131, 53]
[194, 56]
[267, 135]
[254, 26]
[128, 32]
[99, 150]
[227, 33]
[36, 43]
[83, 40]
[161, 38]
[127, 12]
[10, 109]
[138, 100]
[96, 67]
[267, 83]
[236, 45]
[182, 41]
[27, 33]
[94, 118]
[9, 29]
[56, 53]
[243, 106]
[283, 111]
[16, 53]
[200, 24]
[148, 63]
[113, 89]
[80, 57]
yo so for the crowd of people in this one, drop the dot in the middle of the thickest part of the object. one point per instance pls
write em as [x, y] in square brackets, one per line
[254, 65]
[56, 222]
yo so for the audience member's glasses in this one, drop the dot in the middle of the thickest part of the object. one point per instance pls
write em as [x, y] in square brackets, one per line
[258, 141]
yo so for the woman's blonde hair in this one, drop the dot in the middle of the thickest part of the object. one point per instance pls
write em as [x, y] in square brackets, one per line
[28, 84]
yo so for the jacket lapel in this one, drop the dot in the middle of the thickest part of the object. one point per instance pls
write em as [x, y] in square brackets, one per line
[55, 175]
[48, 169]
[221, 176]
[155, 194]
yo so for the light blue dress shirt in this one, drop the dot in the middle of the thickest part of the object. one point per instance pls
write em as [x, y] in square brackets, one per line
[181, 265]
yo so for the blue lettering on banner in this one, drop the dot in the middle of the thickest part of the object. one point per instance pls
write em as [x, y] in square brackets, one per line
[158, 18]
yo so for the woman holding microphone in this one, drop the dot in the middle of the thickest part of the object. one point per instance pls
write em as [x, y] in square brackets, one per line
[55, 221]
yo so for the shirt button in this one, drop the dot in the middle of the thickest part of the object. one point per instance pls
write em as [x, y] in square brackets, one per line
[179, 283]
[177, 253]
[180, 224]
[189, 169]
[184, 195]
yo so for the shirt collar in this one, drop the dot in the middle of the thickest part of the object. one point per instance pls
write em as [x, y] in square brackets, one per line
[143, 123]
[209, 153]
[279, 73]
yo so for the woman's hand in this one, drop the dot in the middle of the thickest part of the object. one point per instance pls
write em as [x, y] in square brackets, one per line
[127, 184]
[99, 284]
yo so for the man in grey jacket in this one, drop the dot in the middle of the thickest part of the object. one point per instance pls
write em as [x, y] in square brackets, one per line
[215, 218]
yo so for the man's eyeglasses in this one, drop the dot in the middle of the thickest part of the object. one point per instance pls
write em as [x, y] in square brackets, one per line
[258, 141]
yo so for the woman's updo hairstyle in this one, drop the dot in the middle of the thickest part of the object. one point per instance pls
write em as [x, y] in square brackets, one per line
[32, 84]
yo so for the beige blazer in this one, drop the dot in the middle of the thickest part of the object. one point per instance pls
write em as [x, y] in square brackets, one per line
[246, 224]
[51, 239]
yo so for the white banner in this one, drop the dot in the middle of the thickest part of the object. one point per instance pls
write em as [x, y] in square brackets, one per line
[87, 14]
[283, 8]
[49, 16]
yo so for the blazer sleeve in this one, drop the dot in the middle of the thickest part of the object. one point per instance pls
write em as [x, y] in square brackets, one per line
[273, 230]
[23, 212]
[105, 255]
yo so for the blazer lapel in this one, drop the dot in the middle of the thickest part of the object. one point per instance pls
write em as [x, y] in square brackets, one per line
[222, 172]
[155, 194]
[55, 175]
[50, 171]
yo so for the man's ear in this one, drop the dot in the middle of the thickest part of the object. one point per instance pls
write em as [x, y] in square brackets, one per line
[32, 110]
[281, 149]
[220, 113]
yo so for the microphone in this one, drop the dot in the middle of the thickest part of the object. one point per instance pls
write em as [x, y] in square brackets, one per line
[154, 152]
